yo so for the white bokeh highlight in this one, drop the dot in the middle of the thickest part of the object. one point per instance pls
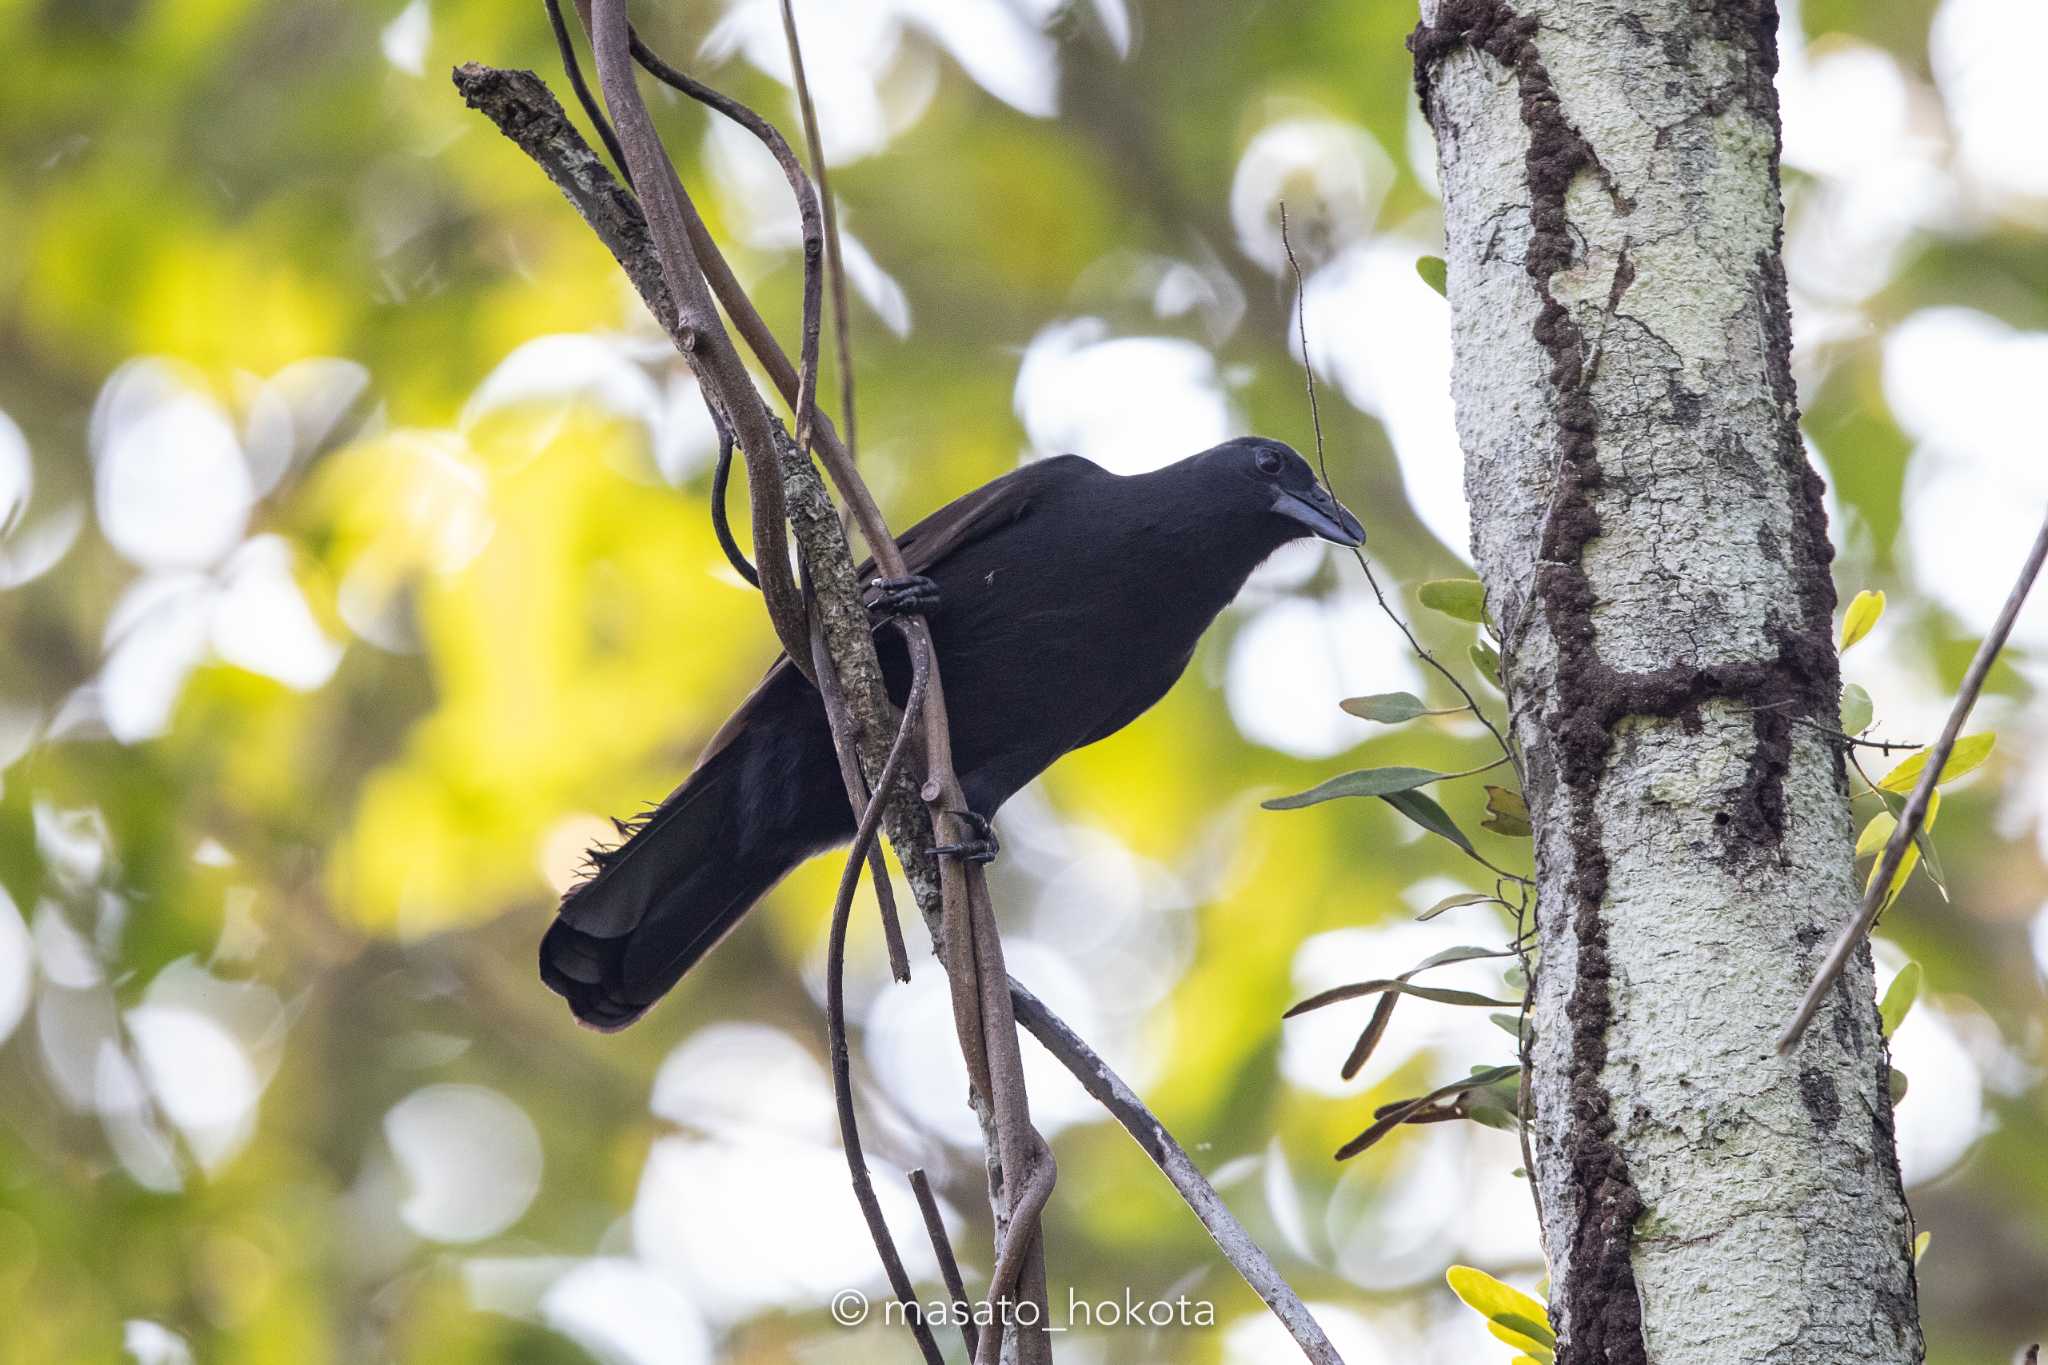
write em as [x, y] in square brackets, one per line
[1077, 388]
[469, 1159]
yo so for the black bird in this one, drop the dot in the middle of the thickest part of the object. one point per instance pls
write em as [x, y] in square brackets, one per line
[1063, 601]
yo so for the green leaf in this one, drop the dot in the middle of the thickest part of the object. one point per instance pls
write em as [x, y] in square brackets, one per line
[1393, 1116]
[1899, 998]
[1923, 839]
[1510, 1023]
[1907, 863]
[1898, 1086]
[1364, 782]
[1493, 1116]
[1857, 711]
[1864, 609]
[1920, 1246]
[1508, 813]
[1390, 708]
[1462, 598]
[1434, 273]
[1486, 659]
[1968, 755]
[1359, 989]
[1506, 1306]
[1424, 811]
[1383, 1013]
[1453, 902]
[1876, 834]
[1912, 855]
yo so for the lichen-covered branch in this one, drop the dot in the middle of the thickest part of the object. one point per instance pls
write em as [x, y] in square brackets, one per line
[1654, 550]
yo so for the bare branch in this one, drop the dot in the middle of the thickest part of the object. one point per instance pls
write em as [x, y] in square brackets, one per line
[1172, 1159]
[835, 1020]
[835, 264]
[942, 1249]
[1916, 806]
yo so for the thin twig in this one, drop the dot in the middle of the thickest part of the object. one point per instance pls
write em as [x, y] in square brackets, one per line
[1123, 1104]
[1916, 805]
[701, 334]
[1323, 465]
[1844, 738]
[835, 1026]
[809, 222]
[592, 110]
[942, 1250]
[835, 265]
[855, 781]
[721, 524]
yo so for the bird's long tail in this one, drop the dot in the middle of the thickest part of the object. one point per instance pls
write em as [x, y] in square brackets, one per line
[685, 875]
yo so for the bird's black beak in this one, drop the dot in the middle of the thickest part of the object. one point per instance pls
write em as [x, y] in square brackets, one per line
[1321, 513]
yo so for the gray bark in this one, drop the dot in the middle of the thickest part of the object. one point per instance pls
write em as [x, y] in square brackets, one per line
[1655, 553]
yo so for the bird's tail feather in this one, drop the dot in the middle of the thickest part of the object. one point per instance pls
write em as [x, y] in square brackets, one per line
[656, 903]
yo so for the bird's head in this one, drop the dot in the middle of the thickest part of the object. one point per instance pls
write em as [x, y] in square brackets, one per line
[1288, 489]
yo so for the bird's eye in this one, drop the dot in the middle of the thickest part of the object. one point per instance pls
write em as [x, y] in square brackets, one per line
[1269, 462]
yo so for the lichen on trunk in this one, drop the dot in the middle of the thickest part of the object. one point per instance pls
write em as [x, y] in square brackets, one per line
[1656, 554]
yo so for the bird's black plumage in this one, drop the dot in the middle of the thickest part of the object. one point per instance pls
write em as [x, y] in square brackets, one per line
[1070, 599]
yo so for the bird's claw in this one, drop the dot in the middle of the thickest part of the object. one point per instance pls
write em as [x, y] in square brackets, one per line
[983, 848]
[913, 595]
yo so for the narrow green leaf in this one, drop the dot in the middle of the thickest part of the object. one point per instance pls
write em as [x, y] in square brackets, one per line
[1393, 1116]
[1388, 708]
[1511, 1024]
[1434, 273]
[1857, 710]
[1864, 609]
[1899, 997]
[1424, 811]
[1920, 1246]
[1453, 902]
[1359, 989]
[1486, 659]
[1364, 782]
[1461, 598]
[1967, 756]
[1375, 1029]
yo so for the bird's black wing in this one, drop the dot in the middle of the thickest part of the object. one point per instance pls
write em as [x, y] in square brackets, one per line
[999, 503]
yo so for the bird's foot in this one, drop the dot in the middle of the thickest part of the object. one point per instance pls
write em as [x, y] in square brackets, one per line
[914, 595]
[983, 848]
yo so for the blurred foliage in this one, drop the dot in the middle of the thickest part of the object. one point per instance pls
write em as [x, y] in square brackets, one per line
[345, 868]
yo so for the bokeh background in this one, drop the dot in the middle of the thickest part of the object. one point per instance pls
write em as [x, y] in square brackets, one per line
[356, 564]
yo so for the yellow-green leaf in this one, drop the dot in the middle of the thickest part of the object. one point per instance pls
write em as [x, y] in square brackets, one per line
[1857, 710]
[1864, 609]
[1899, 998]
[1434, 272]
[1920, 1246]
[1522, 1341]
[1486, 659]
[1506, 1309]
[1462, 598]
[1876, 834]
[1906, 864]
[1968, 755]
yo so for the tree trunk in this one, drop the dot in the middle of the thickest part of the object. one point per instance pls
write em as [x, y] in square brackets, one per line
[1656, 557]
